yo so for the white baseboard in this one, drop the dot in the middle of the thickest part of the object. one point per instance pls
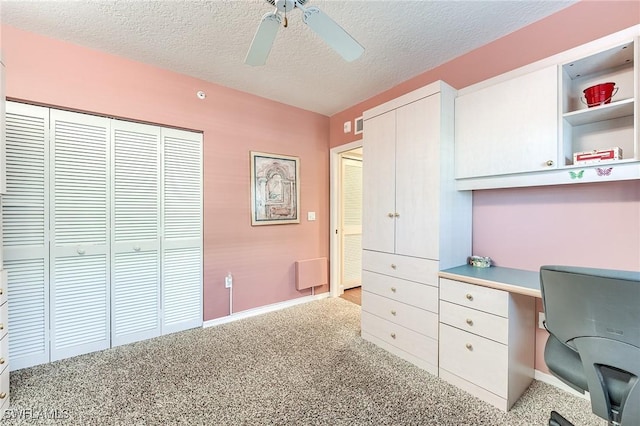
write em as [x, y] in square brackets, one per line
[554, 381]
[264, 309]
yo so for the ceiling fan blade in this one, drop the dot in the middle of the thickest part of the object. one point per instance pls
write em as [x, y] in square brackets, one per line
[332, 33]
[263, 39]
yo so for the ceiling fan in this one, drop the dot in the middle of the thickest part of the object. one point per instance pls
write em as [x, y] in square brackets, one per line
[328, 30]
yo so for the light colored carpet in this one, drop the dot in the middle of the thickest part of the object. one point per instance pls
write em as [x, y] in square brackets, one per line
[306, 365]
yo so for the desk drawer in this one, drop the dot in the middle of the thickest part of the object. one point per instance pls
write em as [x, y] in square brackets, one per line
[416, 319]
[407, 340]
[409, 268]
[474, 296]
[491, 326]
[480, 361]
[4, 352]
[4, 389]
[409, 292]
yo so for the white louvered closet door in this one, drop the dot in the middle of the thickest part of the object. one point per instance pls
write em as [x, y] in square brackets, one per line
[351, 223]
[80, 210]
[25, 224]
[182, 230]
[135, 230]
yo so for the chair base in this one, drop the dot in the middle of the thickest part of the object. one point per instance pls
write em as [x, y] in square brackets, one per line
[557, 420]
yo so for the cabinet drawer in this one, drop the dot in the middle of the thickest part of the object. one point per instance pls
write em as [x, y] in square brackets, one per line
[474, 296]
[407, 340]
[480, 361]
[4, 388]
[409, 292]
[3, 284]
[409, 268]
[491, 326]
[4, 353]
[4, 317]
[416, 319]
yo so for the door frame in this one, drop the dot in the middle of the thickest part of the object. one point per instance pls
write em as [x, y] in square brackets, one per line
[334, 203]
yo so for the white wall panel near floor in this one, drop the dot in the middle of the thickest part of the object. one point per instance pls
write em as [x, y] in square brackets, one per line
[25, 219]
[123, 259]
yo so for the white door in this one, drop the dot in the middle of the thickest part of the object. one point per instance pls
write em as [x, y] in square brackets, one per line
[182, 230]
[351, 222]
[378, 179]
[80, 215]
[25, 222]
[417, 178]
[135, 232]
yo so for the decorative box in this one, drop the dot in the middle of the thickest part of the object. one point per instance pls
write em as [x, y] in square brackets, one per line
[597, 155]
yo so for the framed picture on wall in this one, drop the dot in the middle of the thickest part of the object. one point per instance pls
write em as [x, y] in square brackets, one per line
[275, 189]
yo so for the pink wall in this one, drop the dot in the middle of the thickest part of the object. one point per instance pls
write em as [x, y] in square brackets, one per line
[525, 228]
[51, 72]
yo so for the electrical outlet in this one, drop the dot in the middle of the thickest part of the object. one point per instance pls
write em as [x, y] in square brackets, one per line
[228, 281]
[541, 318]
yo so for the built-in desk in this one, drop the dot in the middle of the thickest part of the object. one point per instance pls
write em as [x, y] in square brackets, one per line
[487, 332]
[508, 279]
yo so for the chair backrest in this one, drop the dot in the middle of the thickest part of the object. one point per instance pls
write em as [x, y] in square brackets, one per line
[596, 314]
[588, 302]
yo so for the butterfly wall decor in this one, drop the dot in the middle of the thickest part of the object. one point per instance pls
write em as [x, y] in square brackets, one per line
[576, 175]
[604, 172]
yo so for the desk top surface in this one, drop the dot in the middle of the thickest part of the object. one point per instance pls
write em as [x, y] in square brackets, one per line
[512, 280]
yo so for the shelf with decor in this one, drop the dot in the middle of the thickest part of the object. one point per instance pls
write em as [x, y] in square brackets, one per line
[570, 118]
[598, 97]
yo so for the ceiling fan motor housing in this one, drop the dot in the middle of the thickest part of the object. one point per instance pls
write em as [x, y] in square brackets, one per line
[286, 5]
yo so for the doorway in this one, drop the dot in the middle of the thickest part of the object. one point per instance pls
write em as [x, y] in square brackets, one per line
[346, 217]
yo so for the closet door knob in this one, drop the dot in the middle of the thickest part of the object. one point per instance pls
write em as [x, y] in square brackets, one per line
[469, 296]
[390, 215]
[393, 312]
[549, 163]
[393, 335]
[469, 346]
[396, 214]
[3, 395]
[469, 321]
[393, 266]
[1, 326]
[1, 361]
[1, 291]
[393, 289]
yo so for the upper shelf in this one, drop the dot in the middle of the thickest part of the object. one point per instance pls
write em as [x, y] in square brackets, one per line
[605, 60]
[610, 111]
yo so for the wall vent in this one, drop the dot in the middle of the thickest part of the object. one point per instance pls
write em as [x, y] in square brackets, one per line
[357, 125]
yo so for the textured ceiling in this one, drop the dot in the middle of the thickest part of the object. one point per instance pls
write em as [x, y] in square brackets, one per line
[209, 40]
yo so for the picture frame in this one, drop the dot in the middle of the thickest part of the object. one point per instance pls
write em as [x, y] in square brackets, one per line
[275, 189]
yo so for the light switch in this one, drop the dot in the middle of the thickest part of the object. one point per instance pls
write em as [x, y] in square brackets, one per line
[347, 126]
[311, 216]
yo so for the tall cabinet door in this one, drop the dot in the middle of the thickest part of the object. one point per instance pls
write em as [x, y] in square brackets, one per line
[378, 181]
[25, 229]
[182, 230]
[417, 181]
[80, 212]
[135, 232]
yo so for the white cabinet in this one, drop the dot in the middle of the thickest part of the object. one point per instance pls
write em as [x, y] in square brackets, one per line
[3, 163]
[508, 127]
[486, 341]
[522, 128]
[414, 222]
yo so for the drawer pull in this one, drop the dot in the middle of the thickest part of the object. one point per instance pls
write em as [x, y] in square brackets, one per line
[469, 346]
[393, 289]
[393, 335]
[469, 321]
[3, 395]
[1, 361]
[390, 215]
[81, 251]
[469, 296]
[393, 266]
[1, 291]
[393, 312]
[1, 326]
[397, 214]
